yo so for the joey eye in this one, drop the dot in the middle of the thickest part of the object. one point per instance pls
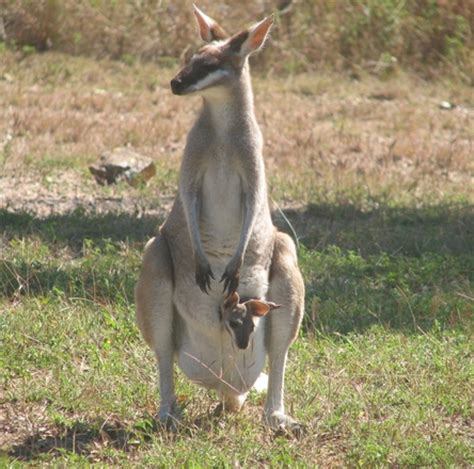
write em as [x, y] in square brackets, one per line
[235, 323]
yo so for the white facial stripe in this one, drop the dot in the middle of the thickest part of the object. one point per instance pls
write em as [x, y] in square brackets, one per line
[209, 80]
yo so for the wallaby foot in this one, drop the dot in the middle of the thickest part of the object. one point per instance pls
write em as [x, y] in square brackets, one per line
[280, 422]
[170, 416]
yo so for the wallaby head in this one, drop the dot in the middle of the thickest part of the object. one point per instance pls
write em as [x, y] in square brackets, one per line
[221, 61]
[240, 319]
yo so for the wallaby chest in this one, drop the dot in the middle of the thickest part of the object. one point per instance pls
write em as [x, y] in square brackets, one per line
[221, 204]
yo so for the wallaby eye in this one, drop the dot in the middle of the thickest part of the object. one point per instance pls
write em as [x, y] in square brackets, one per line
[207, 69]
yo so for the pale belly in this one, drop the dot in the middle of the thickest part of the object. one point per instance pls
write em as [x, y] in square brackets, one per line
[205, 352]
[210, 360]
[221, 211]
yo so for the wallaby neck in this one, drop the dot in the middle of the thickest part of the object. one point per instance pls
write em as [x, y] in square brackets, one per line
[231, 108]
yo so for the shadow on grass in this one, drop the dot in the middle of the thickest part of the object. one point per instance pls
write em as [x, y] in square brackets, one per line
[73, 228]
[407, 231]
[88, 438]
[101, 279]
[81, 438]
[401, 267]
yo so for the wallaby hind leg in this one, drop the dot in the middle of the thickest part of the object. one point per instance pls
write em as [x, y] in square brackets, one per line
[153, 298]
[286, 289]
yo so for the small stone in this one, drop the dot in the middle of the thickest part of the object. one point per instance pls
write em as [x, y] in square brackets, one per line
[123, 163]
[8, 78]
[446, 105]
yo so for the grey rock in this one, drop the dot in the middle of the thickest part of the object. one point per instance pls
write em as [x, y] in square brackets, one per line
[123, 164]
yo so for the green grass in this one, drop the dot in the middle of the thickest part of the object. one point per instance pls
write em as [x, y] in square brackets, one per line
[381, 374]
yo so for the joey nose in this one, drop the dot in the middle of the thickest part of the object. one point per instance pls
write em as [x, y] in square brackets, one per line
[243, 343]
[176, 85]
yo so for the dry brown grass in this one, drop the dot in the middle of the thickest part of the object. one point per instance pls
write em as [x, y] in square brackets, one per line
[61, 113]
[310, 34]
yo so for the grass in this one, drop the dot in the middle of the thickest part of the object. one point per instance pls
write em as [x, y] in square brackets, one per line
[379, 191]
[73, 362]
[78, 383]
[431, 37]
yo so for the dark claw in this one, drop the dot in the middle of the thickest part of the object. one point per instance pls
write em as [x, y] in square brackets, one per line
[203, 278]
[296, 429]
[231, 282]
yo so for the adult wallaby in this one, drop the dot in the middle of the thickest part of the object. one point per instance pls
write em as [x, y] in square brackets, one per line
[220, 227]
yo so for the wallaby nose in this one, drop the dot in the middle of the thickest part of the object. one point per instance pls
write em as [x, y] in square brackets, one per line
[176, 85]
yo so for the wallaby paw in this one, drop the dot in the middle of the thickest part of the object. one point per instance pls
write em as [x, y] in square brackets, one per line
[283, 424]
[231, 279]
[203, 276]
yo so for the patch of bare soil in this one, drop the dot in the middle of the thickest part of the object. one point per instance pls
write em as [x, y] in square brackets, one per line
[63, 192]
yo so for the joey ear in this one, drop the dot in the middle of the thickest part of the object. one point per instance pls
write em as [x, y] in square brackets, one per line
[257, 307]
[251, 40]
[273, 305]
[232, 300]
[209, 29]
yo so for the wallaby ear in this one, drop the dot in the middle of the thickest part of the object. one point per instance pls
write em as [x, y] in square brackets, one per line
[251, 40]
[232, 300]
[273, 305]
[257, 307]
[209, 29]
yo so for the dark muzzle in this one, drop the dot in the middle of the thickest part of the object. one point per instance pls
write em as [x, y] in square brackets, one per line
[177, 86]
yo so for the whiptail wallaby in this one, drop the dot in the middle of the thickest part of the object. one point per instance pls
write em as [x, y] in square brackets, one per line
[220, 228]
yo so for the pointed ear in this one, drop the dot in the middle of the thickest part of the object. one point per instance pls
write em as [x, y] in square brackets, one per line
[273, 305]
[247, 42]
[232, 300]
[257, 307]
[209, 29]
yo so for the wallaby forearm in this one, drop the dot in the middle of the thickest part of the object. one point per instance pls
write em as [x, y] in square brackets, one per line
[254, 186]
[252, 199]
[191, 201]
[248, 222]
[192, 206]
